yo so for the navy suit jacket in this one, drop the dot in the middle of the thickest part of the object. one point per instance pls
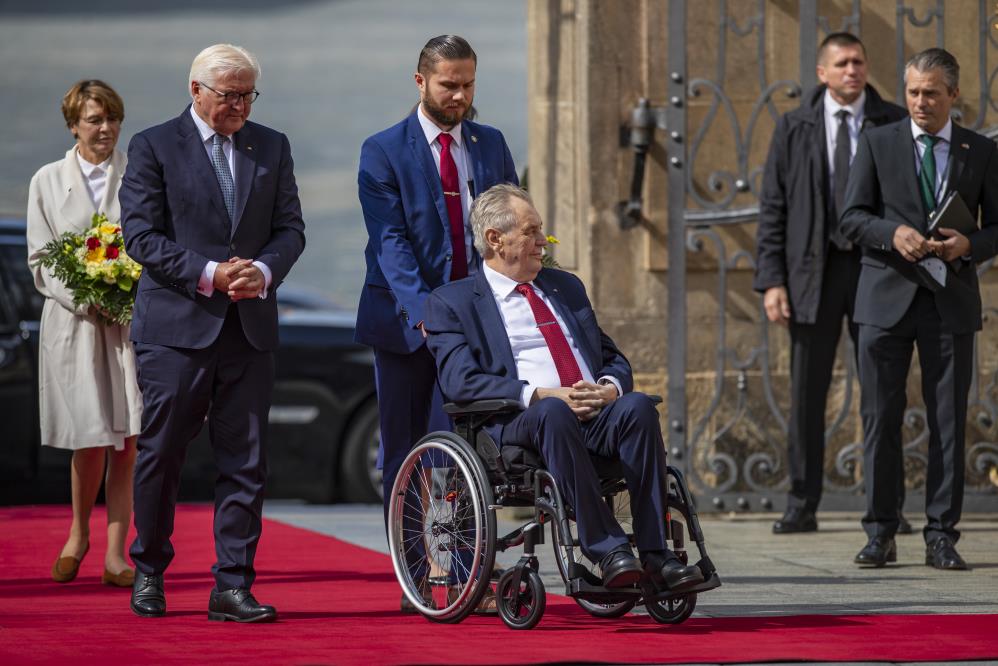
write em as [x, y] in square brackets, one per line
[408, 251]
[174, 221]
[474, 359]
[883, 194]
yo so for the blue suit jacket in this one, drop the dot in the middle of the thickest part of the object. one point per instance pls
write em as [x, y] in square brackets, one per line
[469, 342]
[174, 220]
[409, 248]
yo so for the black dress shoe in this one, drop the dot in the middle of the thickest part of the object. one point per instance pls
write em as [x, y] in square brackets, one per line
[148, 598]
[666, 571]
[877, 552]
[941, 554]
[904, 527]
[425, 591]
[796, 520]
[620, 569]
[238, 605]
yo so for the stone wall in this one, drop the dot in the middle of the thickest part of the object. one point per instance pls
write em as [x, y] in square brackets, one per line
[589, 63]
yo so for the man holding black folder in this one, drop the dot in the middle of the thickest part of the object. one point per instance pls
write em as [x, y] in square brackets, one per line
[901, 173]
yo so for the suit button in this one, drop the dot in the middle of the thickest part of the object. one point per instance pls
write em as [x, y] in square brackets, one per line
[232, 247]
[448, 257]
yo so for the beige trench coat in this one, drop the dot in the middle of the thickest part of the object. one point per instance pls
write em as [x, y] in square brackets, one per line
[88, 389]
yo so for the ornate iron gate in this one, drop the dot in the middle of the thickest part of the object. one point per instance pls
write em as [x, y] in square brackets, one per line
[708, 203]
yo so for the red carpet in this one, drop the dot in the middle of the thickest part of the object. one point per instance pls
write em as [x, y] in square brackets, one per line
[339, 605]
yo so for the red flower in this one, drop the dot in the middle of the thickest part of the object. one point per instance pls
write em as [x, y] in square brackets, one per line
[111, 252]
[93, 243]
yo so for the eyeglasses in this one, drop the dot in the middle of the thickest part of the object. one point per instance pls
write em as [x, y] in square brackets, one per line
[232, 97]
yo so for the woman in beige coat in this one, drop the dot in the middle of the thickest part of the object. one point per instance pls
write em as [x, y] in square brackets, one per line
[88, 392]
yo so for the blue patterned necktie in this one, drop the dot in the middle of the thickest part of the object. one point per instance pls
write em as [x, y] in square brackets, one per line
[223, 174]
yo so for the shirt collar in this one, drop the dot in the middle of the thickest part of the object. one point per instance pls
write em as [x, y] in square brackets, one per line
[432, 131]
[92, 170]
[204, 129]
[856, 108]
[502, 286]
[945, 133]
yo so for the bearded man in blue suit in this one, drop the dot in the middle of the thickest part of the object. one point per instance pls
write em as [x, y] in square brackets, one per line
[209, 207]
[518, 331]
[417, 180]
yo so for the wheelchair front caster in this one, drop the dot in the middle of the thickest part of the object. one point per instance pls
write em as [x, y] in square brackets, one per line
[520, 605]
[673, 611]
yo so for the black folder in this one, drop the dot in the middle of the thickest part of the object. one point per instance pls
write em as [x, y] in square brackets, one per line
[952, 213]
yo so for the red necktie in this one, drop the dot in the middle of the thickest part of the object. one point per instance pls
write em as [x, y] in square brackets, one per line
[564, 359]
[455, 210]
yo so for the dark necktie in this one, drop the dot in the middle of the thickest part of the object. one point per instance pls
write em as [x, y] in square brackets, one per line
[221, 166]
[840, 162]
[455, 209]
[561, 352]
[927, 176]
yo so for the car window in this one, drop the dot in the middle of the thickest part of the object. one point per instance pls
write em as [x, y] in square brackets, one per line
[18, 283]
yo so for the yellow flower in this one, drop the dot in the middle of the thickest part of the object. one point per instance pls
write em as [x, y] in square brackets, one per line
[553, 240]
[96, 255]
[108, 228]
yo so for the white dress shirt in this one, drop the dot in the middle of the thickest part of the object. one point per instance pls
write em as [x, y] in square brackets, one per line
[534, 363]
[460, 155]
[95, 176]
[206, 285]
[940, 150]
[855, 123]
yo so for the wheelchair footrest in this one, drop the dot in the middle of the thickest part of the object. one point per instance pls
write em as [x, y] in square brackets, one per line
[713, 582]
[579, 588]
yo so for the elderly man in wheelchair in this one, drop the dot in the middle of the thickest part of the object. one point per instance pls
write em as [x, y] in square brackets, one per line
[530, 374]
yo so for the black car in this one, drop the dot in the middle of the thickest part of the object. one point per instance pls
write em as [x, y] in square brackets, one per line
[323, 423]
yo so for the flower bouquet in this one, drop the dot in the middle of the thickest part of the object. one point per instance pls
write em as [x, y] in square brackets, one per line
[94, 266]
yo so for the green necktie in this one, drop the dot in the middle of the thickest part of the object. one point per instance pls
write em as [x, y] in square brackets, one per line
[927, 177]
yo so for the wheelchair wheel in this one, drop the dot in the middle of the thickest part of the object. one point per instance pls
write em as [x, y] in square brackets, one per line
[442, 534]
[673, 611]
[621, 505]
[521, 606]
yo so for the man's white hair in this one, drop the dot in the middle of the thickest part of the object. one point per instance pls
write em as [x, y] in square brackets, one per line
[218, 60]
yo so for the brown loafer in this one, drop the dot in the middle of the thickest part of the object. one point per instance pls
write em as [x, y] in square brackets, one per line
[124, 579]
[486, 606]
[66, 568]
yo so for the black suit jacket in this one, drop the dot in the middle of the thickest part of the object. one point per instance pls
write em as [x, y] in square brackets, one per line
[792, 238]
[883, 194]
[174, 220]
[474, 359]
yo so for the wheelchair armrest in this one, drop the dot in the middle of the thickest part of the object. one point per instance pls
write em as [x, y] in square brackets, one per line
[482, 407]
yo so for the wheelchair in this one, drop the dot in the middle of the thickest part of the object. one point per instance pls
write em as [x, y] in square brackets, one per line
[443, 535]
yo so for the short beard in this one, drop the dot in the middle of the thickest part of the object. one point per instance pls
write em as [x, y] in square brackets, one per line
[441, 116]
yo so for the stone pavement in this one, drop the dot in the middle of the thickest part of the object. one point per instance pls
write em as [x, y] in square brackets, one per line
[763, 573]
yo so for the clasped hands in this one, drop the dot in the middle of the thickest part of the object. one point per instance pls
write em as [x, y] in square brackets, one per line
[584, 398]
[239, 278]
[913, 246]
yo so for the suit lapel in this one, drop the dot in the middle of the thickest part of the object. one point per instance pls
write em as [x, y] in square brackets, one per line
[492, 325]
[244, 161]
[424, 160]
[470, 138]
[76, 203]
[193, 150]
[905, 149]
[578, 335]
[958, 150]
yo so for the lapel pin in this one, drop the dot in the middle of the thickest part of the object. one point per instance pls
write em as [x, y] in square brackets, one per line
[474, 139]
[249, 147]
[966, 146]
